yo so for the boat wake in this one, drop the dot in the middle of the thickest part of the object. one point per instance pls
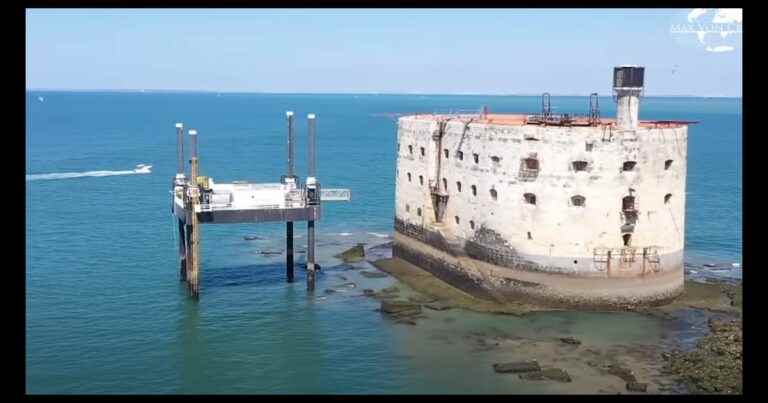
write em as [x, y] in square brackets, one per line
[140, 169]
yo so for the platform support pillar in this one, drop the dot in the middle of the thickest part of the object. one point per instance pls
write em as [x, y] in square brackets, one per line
[313, 199]
[311, 267]
[289, 225]
[194, 227]
[289, 251]
[182, 251]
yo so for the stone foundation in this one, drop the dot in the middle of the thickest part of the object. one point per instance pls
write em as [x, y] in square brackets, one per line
[490, 281]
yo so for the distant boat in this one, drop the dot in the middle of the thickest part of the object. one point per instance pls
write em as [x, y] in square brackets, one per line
[143, 169]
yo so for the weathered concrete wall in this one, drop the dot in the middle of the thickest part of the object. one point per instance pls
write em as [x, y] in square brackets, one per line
[553, 235]
[502, 284]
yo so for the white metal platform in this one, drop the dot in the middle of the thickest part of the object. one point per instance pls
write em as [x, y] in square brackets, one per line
[243, 202]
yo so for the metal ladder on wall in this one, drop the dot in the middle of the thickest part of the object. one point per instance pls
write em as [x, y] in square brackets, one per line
[651, 260]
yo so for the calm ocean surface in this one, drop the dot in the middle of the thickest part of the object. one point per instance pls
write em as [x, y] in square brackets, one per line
[107, 314]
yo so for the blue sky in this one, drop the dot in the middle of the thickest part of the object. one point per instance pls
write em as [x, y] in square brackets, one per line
[386, 51]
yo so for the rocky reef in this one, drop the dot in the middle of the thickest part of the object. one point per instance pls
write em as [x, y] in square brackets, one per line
[715, 365]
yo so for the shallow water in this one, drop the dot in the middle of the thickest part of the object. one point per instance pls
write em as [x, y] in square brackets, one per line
[107, 314]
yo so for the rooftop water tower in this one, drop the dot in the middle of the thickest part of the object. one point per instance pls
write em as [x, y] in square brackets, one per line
[627, 87]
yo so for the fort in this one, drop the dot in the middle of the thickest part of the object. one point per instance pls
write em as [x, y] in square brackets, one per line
[555, 209]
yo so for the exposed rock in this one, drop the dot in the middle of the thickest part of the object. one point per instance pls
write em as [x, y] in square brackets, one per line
[373, 274]
[637, 387]
[625, 374]
[715, 365]
[387, 293]
[426, 283]
[384, 296]
[556, 374]
[329, 291]
[517, 367]
[421, 299]
[390, 290]
[570, 340]
[553, 374]
[386, 245]
[735, 297]
[410, 314]
[368, 292]
[353, 254]
[438, 306]
[532, 376]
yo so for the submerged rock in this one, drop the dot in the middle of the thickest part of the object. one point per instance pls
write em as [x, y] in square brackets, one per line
[570, 340]
[384, 296]
[270, 252]
[353, 254]
[517, 367]
[369, 292]
[637, 387]
[399, 307]
[373, 274]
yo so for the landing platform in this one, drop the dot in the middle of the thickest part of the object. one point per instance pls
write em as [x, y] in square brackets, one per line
[242, 202]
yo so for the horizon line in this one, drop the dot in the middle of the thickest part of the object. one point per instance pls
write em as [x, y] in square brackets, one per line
[353, 93]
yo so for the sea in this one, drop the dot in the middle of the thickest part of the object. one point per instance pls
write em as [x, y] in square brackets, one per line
[107, 314]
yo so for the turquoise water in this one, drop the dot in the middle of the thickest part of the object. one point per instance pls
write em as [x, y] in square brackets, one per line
[107, 314]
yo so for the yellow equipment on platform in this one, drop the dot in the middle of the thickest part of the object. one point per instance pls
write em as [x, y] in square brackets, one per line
[203, 182]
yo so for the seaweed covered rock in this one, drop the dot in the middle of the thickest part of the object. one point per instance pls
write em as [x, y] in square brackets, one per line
[353, 254]
[552, 374]
[715, 365]
[517, 367]
[399, 307]
[422, 299]
[570, 340]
